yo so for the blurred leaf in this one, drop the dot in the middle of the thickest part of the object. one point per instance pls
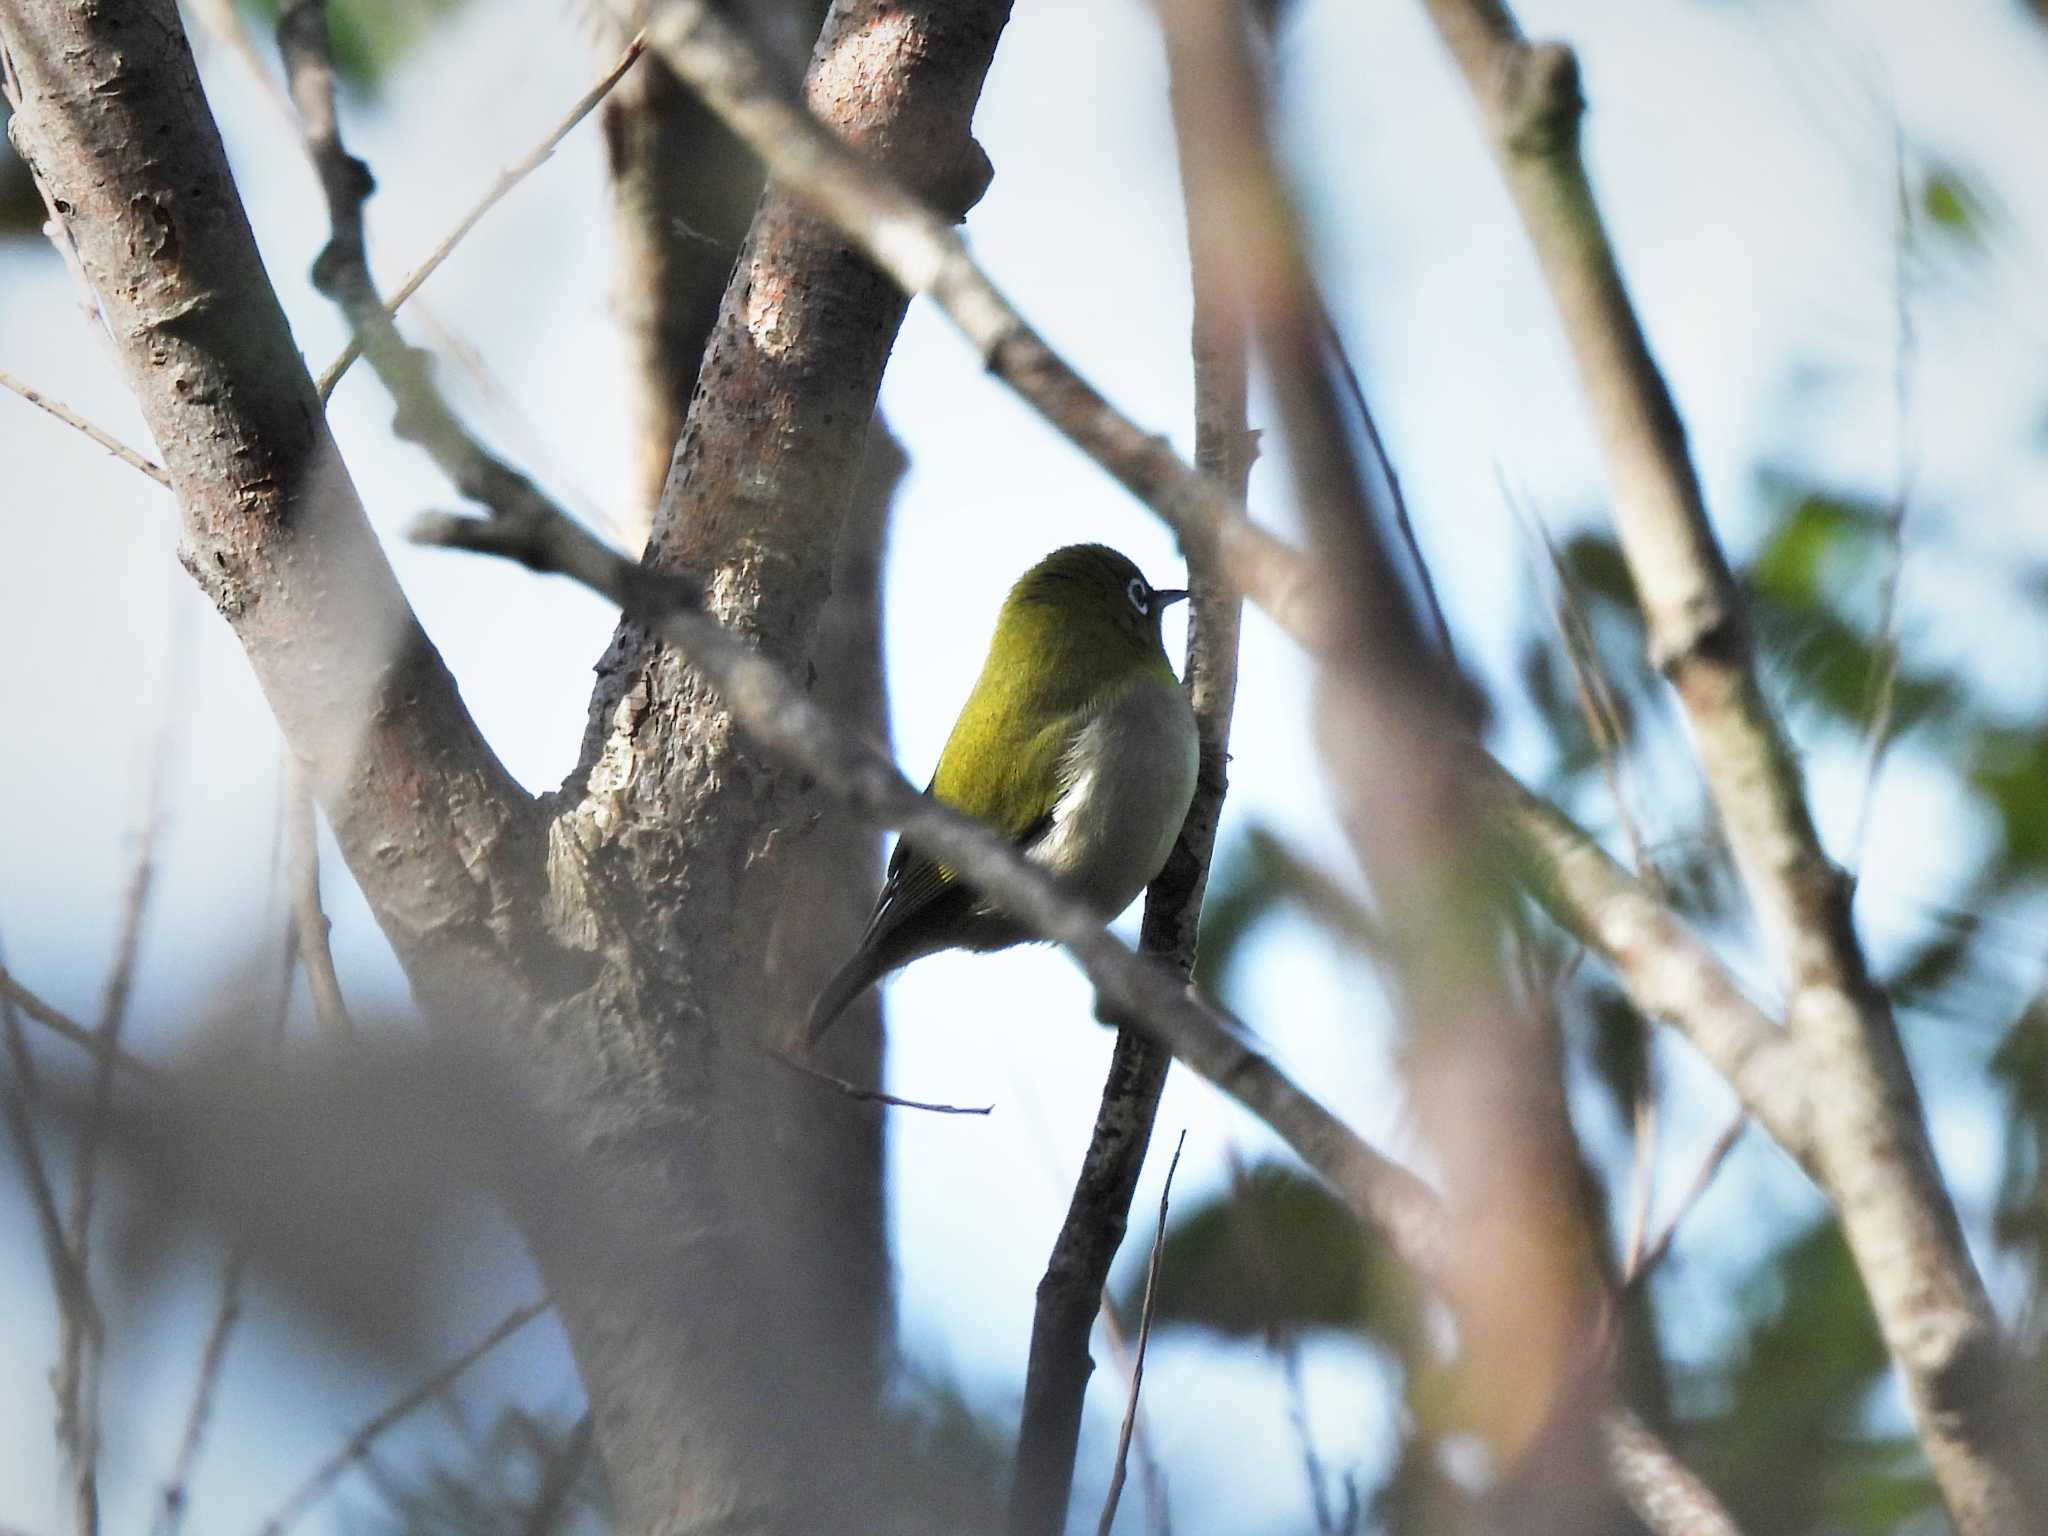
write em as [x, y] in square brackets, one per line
[1957, 206]
[1286, 1255]
[368, 36]
[2010, 771]
[1789, 1450]
[1819, 543]
[1255, 876]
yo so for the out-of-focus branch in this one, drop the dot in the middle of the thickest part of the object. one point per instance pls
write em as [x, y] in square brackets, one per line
[1070, 1293]
[922, 252]
[62, 1024]
[359, 1444]
[1870, 1147]
[1485, 1077]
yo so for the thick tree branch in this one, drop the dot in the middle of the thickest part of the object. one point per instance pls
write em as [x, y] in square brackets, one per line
[109, 115]
[1869, 1145]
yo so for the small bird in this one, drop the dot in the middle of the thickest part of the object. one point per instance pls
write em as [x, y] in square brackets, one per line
[1077, 743]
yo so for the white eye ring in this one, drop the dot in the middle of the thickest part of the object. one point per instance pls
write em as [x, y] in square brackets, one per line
[1139, 594]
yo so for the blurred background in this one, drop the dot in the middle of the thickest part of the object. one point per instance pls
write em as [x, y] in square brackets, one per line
[1833, 220]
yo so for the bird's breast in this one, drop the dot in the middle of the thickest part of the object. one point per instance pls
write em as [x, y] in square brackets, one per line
[1128, 776]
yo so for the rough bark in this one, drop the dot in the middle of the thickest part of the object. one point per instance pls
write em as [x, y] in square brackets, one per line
[676, 816]
[683, 193]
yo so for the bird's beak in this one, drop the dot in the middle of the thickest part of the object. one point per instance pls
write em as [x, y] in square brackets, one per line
[1162, 600]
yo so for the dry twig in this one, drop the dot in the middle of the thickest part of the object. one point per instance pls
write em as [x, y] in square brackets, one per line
[508, 178]
[71, 418]
[322, 1479]
[1123, 1436]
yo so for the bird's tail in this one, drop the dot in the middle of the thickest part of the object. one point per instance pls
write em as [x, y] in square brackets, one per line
[851, 979]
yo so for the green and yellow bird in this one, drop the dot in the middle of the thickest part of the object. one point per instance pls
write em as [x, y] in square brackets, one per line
[1077, 742]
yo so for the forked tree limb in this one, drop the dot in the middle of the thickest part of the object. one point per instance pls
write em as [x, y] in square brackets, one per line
[1869, 1145]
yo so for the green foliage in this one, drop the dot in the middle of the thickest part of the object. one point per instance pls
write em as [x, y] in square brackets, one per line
[1280, 1253]
[1957, 206]
[1789, 1447]
[368, 36]
[1255, 877]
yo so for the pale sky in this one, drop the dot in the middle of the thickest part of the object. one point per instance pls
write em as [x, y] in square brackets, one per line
[1744, 154]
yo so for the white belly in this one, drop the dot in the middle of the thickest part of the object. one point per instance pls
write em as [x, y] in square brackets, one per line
[1130, 775]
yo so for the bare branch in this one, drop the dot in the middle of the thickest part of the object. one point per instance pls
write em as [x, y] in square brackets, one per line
[358, 1445]
[841, 1086]
[1869, 1146]
[1661, 1489]
[71, 418]
[508, 178]
[309, 919]
[1123, 1437]
[1644, 1257]
[62, 1024]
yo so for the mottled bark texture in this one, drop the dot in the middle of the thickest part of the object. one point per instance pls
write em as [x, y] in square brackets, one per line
[711, 844]
[708, 1222]
[683, 193]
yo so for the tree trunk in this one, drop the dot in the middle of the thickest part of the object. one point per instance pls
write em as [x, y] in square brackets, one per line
[708, 1221]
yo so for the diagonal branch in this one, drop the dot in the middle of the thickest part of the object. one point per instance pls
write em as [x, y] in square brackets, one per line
[110, 115]
[1870, 1148]
[924, 254]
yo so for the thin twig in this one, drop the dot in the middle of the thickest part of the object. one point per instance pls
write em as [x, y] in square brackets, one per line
[63, 1025]
[309, 918]
[1070, 1293]
[870, 1095]
[72, 419]
[1645, 1258]
[1157, 1517]
[358, 1445]
[508, 178]
[1123, 1437]
[1356, 389]
[1884, 645]
[80, 1340]
[67, 1280]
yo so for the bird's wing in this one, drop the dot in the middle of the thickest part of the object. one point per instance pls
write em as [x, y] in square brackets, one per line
[1014, 790]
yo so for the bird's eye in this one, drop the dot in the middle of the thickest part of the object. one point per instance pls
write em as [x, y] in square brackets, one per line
[1140, 596]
